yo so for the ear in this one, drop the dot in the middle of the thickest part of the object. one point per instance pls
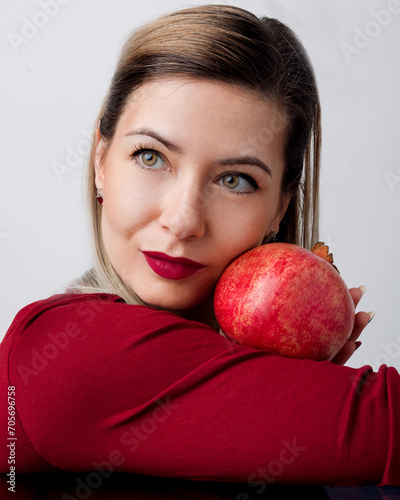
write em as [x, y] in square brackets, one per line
[284, 203]
[99, 157]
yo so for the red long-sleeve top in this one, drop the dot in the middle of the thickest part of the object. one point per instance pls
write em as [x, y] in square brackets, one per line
[100, 383]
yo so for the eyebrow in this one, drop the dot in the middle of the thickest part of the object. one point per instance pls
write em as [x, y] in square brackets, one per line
[241, 160]
[246, 160]
[151, 133]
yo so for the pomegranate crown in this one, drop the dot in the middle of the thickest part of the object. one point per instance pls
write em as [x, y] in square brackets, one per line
[322, 251]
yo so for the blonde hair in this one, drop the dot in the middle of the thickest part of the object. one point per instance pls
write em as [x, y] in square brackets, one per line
[231, 45]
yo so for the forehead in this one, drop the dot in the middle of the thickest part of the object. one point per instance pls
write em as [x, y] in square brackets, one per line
[203, 103]
[166, 86]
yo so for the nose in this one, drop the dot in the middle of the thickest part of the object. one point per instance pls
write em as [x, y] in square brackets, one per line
[183, 213]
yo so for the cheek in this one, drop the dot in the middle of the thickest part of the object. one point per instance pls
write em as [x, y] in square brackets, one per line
[129, 204]
[245, 225]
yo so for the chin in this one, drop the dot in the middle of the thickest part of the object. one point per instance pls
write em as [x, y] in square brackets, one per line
[173, 295]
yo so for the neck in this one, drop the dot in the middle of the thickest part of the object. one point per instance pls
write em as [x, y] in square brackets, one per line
[203, 313]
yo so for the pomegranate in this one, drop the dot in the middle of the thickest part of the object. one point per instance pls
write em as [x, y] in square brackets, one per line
[284, 298]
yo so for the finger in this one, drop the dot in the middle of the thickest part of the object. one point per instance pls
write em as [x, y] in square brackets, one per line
[361, 320]
[357, 293]
[345, 353]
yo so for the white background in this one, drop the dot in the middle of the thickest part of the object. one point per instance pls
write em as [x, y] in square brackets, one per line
[52, 86]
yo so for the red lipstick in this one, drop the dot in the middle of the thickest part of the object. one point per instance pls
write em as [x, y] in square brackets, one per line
[172, 268]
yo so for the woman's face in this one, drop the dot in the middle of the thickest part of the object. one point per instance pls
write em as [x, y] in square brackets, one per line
[193, 172]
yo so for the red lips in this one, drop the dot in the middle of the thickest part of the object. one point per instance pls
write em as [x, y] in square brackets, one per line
[173, 268]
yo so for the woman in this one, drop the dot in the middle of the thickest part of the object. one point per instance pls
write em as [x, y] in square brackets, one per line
[207, 145]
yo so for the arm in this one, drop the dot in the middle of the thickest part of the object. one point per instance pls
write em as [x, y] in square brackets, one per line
[165, 396]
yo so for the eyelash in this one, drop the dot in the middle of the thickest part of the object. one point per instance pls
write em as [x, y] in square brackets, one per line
[142, 149]
[248, 178]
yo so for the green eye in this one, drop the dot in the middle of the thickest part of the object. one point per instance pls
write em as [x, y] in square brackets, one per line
[238, 182]
[230, 181]
[149, 159]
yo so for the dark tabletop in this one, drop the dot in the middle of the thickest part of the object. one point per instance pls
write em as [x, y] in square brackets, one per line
[82, 486]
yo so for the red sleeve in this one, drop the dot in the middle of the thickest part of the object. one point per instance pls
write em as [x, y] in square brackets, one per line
[100, 383]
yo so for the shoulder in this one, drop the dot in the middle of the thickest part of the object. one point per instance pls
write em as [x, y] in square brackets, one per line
[100, 316]
[83, 306]
[67, 335]
[100, 308]
[57, 303]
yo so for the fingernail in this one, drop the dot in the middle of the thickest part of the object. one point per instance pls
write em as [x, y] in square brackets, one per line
[371, 316]
[362, 288]
[358, 343]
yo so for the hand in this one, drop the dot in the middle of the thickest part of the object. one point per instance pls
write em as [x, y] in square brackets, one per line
[361, 321]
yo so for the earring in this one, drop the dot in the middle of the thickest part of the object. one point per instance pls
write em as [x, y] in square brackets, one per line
[99, 197]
